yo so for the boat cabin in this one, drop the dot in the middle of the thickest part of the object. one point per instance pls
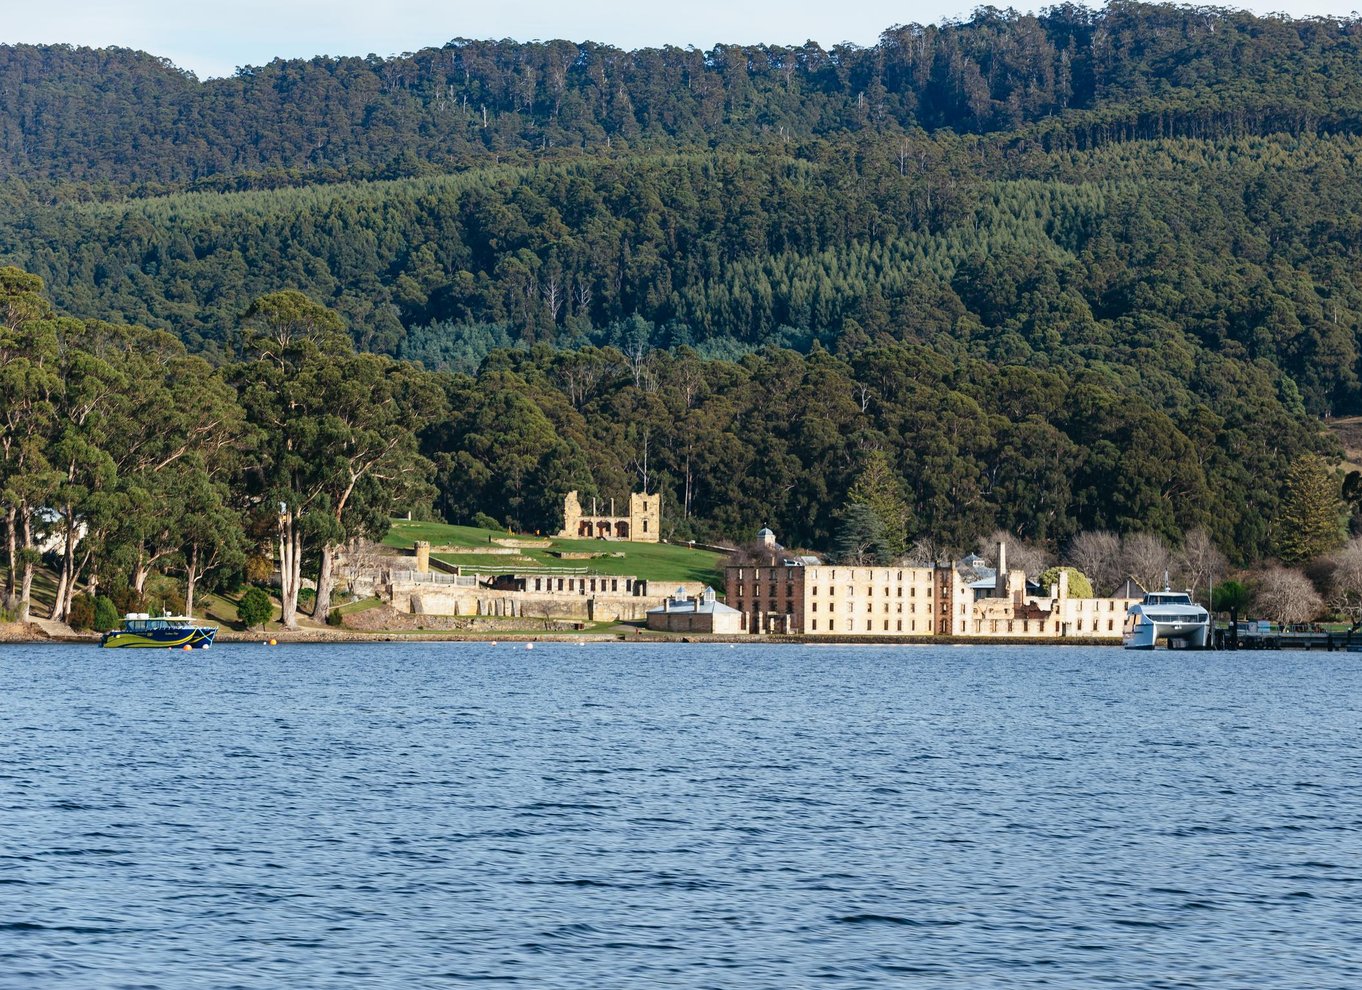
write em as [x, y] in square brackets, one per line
[1167, 598]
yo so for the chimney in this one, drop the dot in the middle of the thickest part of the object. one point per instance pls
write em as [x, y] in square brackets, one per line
[1000, 578]
[1063, 583]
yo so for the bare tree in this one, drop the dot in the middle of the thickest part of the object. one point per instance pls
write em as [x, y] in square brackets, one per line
[1345, 580]
[1146, 558]
[582, 294]
[1199, 561]
[1097, 554]
[1021, 555]
[927, 550]
[1286, 596]
[552, 292]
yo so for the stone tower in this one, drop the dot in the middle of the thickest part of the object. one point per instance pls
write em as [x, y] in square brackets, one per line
[645, 517]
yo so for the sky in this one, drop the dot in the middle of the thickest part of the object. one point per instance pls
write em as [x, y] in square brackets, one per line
[215, 37]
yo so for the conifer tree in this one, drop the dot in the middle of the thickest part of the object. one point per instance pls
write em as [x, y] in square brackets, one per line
[1311, 520]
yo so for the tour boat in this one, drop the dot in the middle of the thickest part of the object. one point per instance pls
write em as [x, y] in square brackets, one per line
[1167, 615]
[168, 632]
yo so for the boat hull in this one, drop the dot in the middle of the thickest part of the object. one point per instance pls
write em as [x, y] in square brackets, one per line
[1146, 635]
[196, 637]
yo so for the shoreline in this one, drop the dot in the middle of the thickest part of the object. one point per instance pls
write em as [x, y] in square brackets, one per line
[9, 633]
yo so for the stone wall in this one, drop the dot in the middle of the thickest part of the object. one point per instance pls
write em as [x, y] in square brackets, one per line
[419, 598]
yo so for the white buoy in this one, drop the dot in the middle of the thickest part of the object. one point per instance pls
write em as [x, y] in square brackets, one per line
[529, 646]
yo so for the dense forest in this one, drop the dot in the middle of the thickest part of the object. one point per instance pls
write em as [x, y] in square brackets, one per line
[1077, 271]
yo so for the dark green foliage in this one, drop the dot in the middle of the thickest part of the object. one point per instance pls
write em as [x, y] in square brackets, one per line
[106, 614]
[254, 608]
[82, 614]
[1312, 518]
[861, 538]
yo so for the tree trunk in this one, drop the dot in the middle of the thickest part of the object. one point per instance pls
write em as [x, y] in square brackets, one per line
[140, 571]
[325, 581]
[26, 569]
[68, 563]
[12, 547]
[76, 570]
[191, 574]
[290, 572]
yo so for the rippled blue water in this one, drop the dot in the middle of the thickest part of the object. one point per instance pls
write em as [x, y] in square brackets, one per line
[428, 815]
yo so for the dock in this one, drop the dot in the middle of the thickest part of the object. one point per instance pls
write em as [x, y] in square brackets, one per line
[1286, 639]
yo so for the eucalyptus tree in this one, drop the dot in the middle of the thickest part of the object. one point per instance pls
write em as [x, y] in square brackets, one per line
[337, 446]
[28, 382]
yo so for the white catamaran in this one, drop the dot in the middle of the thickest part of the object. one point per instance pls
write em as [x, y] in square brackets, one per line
[1168, 615]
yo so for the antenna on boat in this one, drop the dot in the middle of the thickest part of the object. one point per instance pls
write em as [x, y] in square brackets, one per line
[1166, 585]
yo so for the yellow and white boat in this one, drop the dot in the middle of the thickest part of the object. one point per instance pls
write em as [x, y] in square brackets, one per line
[168, 632]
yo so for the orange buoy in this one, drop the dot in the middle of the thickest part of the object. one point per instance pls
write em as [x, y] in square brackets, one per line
[274, 642]
[188, 647]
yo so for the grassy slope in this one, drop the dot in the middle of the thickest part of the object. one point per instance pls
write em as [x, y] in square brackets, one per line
[653, 561]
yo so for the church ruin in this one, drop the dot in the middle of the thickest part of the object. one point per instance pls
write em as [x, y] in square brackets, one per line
[643, 524]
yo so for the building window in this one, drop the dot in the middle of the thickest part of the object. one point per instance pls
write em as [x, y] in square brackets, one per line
[645, 523]
[1111, 624]
[869, 625]
[814, 625]
[900, 628]
[832, 624]
[886, 625]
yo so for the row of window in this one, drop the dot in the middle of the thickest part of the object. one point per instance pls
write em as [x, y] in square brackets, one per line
[582, 584]
[869, 626]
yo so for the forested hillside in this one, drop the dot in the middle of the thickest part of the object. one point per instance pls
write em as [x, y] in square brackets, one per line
[1081, 270]
[116, 117]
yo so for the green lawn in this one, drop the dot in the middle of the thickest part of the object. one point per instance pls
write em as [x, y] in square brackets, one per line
[652, 561]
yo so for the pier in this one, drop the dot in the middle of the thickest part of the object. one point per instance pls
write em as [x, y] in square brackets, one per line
[1287, 639]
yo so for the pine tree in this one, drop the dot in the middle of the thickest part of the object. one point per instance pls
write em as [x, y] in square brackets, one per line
[882, 491]
[1312, 516]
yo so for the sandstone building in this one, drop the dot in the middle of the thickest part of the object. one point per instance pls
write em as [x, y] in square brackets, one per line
[699, 614]
[800, 596]
[643, 524]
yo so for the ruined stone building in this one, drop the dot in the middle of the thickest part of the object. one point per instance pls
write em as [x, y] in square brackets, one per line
[643, 524]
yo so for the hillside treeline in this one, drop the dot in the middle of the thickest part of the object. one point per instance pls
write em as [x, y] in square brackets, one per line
[124, 456]
[96, 119]
[1249, 249]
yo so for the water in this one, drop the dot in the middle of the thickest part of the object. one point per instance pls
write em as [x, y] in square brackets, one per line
[432, 815]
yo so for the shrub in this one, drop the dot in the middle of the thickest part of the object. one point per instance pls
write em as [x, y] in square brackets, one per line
[255, 608]
[1079, 585]
[483, 521]
[307, 597]
[334, 618]
[106, 614]
[82, 615]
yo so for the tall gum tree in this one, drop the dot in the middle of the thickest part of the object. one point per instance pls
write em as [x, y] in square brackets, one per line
[337, 448]
[28, 383]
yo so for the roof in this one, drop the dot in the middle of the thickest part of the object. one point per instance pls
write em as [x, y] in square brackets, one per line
[706, 604]
[764, 532]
